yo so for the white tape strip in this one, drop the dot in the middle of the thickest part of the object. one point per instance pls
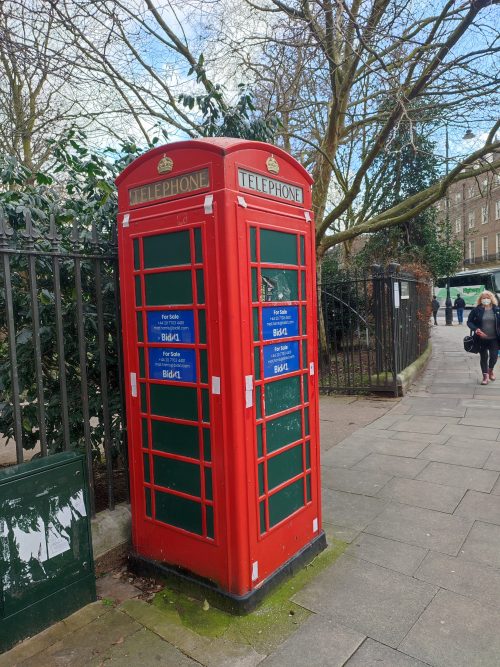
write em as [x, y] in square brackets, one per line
[133, 384]
[209, 204]
[241, 201]
[311, 368]
[215, 384]
[255, 570]
[307, 216]
[126, 219]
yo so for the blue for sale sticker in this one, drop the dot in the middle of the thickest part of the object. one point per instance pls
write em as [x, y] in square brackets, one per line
[280, 322]
[170, 326]
[281, 358]
[172, 363]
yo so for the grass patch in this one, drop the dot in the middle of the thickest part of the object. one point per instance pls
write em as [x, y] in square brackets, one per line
[266, 627]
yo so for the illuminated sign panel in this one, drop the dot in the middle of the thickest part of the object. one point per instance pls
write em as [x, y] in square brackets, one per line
[170, 187]
[270, 186]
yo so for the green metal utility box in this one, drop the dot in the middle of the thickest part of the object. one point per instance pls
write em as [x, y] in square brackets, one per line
[46, 563]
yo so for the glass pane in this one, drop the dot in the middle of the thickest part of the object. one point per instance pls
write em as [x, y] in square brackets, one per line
[210, 520]
[174, 401]
[304, 320]
[137, 264]
[200, 286]
[306, 388]
[286, 502]
[256, 324]
[208, 484]
[308, 488]
[175, 438]
[203, 366]
[138, 293]
[278, 247]
[304, 354]
[140, 330]
[306, 420]
[207, 449]
[145, 438]
[256, 362]
[205, 405]
[179, 512]
[167, 289]
[282, 394]
[170, 249]
[144, 403]
[284, 466]
[258, 403]
[283, 431]
[279, 285]
[303, 285]
[261, 479]
[197, 246]
[142, 367]
[262, 516]
[202, 326]
[147, 493]
[308, 455]
[177, 475]
[254, 285]
[302, 250]
[260, 451]
[253, 244]
[147, 474]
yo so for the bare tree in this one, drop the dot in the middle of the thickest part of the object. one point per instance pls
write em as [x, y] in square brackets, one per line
[345, 74]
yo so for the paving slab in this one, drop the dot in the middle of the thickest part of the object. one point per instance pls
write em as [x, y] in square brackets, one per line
[475, 580]
[343, 456]
[482, 544]
[493, 461]
[143, 648]
[375, 654]
[408, 447]
[88, 643]
[397, 556]
[342, 533]
[331, 645]
[431, 425]
[422, 528]
[350, 510]
[422, 494]
[480, 506]
[397, 466]
[109, 587]
[353, 481]
[464, 456]
[455, 631]
[387, 420]
[461, 477]
[372, 600]
[425, 438]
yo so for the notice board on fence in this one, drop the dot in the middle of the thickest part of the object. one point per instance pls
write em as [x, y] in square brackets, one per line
[46, 562]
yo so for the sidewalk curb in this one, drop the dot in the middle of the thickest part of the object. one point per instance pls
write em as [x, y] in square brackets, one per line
[409, 374]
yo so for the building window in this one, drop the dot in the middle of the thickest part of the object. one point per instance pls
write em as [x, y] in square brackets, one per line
[485, 246]
[458, 225]
[472, 250]
[497, 210]
[484, 215]
[472, 191]
[498, 244]
[458, 197]
[496, 179]
[471, 220]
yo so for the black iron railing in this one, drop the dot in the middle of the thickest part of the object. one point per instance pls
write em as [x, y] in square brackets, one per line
[60, 366]
[371, 328]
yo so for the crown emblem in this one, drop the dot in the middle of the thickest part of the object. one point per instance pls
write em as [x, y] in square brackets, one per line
[272, 165]
[165, 164]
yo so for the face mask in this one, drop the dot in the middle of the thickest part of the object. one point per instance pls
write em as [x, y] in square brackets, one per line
[486, 302]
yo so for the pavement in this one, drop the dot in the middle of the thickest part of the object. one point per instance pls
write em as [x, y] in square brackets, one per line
[416, 495]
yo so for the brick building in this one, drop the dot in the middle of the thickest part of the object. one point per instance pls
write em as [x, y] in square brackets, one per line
[475, 218]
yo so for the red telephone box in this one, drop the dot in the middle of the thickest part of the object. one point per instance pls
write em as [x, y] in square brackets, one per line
[217, 274]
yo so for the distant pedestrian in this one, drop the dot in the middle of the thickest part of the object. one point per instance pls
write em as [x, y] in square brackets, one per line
[460, 305]
[484, 321]
[435, 308]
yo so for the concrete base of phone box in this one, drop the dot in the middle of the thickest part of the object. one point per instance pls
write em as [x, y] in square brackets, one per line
[189, 583]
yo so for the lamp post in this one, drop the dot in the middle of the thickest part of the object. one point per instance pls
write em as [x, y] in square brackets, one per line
[448, 311]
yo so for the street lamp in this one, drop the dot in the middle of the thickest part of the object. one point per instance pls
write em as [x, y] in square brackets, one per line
[448, 311]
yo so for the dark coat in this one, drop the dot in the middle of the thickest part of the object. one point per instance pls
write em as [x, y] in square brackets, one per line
[459, 302]
[475, 318]
[435, 305]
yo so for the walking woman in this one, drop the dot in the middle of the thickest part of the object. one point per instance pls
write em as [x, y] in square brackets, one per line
[484, 321]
